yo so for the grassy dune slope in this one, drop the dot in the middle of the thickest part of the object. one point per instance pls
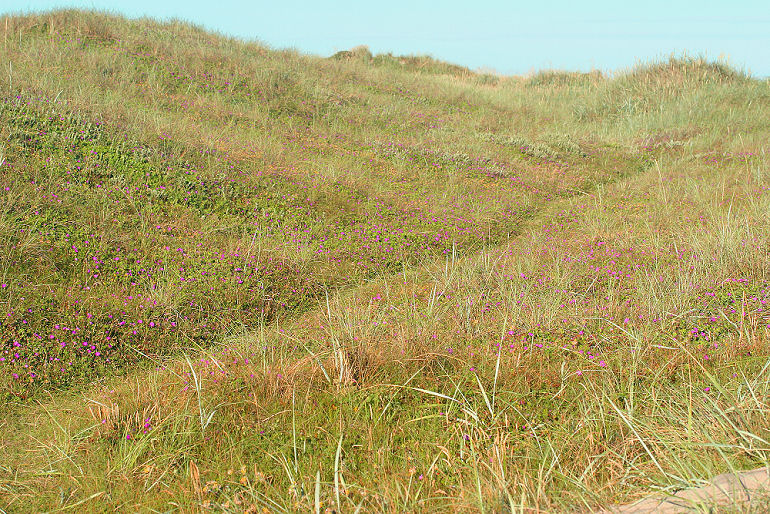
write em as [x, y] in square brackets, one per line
[240, 279]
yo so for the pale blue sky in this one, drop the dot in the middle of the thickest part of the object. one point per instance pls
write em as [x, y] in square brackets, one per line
[508, 36]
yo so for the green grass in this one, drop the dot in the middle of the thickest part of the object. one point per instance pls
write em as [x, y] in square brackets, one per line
[240, 279]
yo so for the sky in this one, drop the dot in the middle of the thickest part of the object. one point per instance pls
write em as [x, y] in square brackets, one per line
[509, 37]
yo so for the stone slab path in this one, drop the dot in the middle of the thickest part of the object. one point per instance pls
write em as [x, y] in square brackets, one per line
[747, 490]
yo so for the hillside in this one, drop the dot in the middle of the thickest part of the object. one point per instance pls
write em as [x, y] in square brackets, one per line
[240, 279]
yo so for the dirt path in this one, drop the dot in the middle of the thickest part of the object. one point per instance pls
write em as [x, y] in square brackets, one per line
[743, 491]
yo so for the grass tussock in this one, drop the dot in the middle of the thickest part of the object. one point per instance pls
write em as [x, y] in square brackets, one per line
[239, 279]
[682, 71]
[553, 78]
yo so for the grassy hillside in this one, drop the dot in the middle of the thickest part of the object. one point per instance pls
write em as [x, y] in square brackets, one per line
[240, 279]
